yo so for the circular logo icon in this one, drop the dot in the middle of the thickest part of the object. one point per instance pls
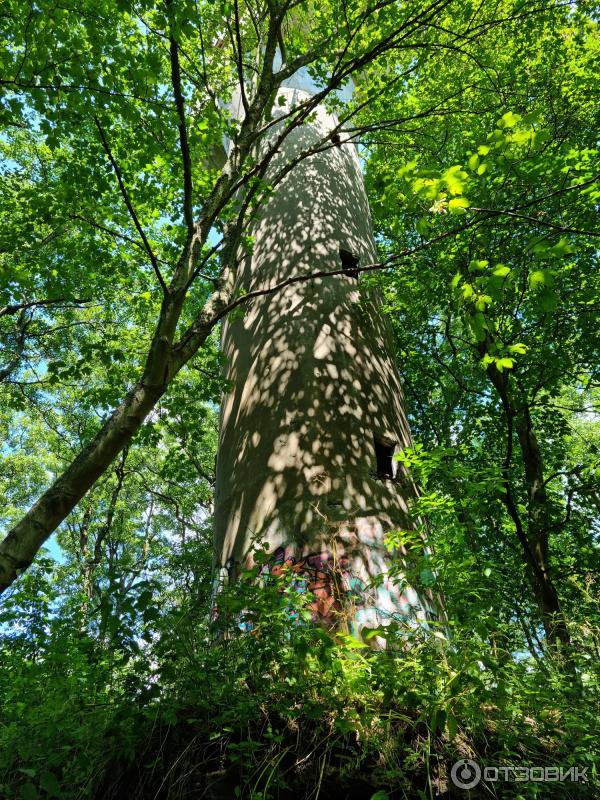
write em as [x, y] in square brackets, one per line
[465, 773]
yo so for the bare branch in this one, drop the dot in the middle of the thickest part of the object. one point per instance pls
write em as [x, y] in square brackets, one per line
[113, 233]
[237, 49]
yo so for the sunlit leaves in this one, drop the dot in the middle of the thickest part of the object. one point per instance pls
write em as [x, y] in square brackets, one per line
[518, 348]
[455, 179]
[508, 292]
[509, 120]
[458, 205]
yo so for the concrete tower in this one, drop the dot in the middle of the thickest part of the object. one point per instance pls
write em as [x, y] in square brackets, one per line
[315, 410]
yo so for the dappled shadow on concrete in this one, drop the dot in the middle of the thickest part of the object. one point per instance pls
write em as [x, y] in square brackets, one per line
[314, 388]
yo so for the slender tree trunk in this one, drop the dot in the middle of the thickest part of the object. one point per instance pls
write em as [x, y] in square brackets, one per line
[164, 361]
[538, 528]
[533, 538]
[19, 547]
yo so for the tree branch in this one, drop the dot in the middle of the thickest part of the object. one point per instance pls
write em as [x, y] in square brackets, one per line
[188, 212]
[16, 307]
[130, 208]
[536, 220]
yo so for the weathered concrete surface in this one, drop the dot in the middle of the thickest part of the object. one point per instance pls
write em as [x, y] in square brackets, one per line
[313, 382]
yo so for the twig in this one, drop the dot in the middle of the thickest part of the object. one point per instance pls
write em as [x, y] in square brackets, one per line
[536, 220]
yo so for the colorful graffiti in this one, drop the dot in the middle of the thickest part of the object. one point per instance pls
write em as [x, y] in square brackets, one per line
[327, 578]
[350, 588]
[348, 581]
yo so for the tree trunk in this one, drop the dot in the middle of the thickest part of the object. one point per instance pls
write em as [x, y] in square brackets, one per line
[164, 361]
[533, 539]
[538, 528]
[315, 411]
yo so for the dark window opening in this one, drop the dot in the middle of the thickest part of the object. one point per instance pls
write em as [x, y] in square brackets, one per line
[350, 262]
[384, 454]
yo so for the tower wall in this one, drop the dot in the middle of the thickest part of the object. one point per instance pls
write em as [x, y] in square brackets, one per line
[313, 385]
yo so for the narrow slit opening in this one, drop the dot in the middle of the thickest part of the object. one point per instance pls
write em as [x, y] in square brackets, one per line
[384, 454]
[350, 262]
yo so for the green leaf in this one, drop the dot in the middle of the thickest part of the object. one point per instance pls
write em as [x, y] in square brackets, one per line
[458, 205]
[438, 720]
[519, 348]
[537, 278]
[28, 792]
[452, 726]
[49, 784]
[350, 642]
[455, 179]
[505, 363]
[562, 248]
[422, 226]
[478, 326]
[509, 120]
[548, 300]
[522, 136]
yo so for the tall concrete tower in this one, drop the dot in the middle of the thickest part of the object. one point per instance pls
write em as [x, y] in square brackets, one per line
[315, 411]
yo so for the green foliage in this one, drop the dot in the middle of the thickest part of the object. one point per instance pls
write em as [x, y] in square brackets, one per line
[271, 705]
[495, 309]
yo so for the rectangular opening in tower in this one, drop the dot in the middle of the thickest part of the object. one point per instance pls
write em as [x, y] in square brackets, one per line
[349, 262]
[384, 453]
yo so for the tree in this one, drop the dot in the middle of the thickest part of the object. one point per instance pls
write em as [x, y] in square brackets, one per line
[516, 286]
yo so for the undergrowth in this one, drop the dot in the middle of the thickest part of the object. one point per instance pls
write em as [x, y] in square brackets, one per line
[262, 704]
